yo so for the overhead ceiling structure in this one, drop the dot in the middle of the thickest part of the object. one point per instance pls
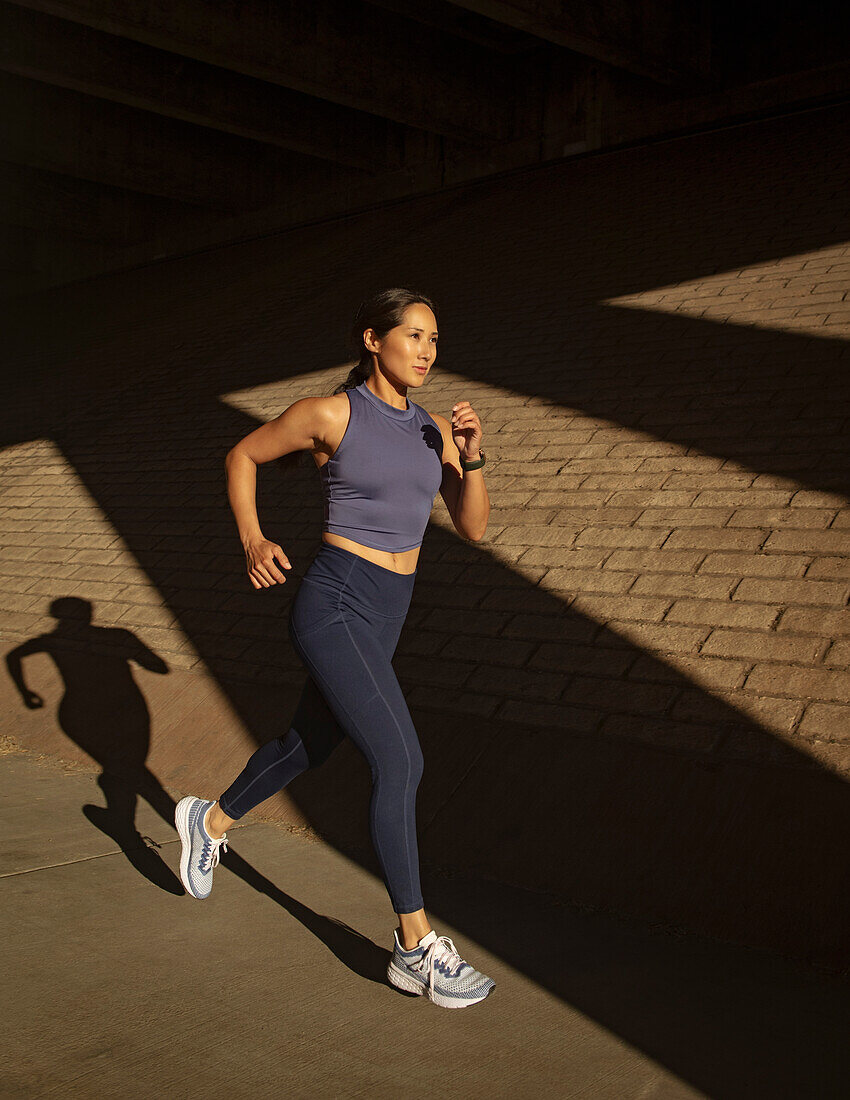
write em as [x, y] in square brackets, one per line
[134, 130]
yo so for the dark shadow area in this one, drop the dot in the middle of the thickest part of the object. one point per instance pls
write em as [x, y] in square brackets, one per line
[644, 795]
[731, 1021]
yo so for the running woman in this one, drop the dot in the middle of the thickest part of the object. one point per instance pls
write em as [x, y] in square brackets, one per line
[381, 461]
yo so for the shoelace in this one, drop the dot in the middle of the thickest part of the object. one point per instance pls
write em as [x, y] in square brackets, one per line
[211, 853]
[442, 948]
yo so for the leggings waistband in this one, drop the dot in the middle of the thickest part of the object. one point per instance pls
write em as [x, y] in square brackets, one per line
[383, 591]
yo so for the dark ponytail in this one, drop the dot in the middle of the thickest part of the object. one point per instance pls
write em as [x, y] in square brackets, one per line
[383, 311]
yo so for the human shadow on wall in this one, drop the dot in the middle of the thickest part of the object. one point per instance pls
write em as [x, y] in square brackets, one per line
[103, 711]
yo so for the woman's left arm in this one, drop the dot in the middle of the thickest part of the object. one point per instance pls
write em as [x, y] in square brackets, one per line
[464, 491]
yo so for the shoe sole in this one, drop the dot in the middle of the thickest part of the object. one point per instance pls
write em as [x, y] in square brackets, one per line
[181, 820]
[403, 981]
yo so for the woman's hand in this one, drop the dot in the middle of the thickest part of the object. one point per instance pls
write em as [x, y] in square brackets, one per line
[262, 569]
[466, 430]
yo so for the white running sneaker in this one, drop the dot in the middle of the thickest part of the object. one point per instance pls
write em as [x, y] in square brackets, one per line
[434, 967]
[200, 854]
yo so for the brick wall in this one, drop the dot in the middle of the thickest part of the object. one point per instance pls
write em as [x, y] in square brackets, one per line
[634, 692]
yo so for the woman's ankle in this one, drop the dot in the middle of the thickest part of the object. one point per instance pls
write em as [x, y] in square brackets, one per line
[215, 822]
[414, 928]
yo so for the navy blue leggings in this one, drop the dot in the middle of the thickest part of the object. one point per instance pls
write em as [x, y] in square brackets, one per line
[345, 623]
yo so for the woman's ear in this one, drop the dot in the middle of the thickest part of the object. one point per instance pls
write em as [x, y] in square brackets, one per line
[370, 340]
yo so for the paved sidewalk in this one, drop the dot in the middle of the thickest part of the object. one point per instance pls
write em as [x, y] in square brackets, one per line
[119, 985]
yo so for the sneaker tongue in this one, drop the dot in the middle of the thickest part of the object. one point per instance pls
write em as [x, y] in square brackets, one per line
[428, 939]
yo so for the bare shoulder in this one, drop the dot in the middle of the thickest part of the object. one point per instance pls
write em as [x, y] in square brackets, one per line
[308, 424]
[329, 409]
[330, 415]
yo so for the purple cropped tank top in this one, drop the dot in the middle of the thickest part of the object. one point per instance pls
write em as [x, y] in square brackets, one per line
[380, 483]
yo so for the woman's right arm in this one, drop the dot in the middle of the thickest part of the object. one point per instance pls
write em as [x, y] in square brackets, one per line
[301, 427]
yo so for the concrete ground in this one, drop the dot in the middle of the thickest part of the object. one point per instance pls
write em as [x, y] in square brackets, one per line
[117, 984]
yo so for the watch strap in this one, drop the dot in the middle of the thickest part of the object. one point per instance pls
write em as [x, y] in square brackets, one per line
[474, 465]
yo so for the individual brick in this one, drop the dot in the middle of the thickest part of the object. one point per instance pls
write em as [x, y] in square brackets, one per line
[810, 542]
[801, 620]
[645, 447]
[624, 482]
[801, 592]
[663, 498]
[662, 639]
[551, 556]
[723, 479]
[829, 568]
[662, 584]
[655, 561]
[495, 575]
[620, 536]
[826, 722]
[681, 464]
[524, 535]
[683, 517]
[602, 608]
[795, 518]
[828, 685]
[723, 613]
[707, 538]
[756, 565]
[535, 519]
[807, 498]
[603, 465]
[762, 646]
[742, 498]
[601, 517]
[838, 655]
[586, 580]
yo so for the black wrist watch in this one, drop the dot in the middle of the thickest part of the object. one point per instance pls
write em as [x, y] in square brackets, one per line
[474, 465]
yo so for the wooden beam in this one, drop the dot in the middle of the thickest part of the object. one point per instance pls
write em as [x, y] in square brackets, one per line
[70, 55]
[93, 139]
[345, 52]
[668, 43]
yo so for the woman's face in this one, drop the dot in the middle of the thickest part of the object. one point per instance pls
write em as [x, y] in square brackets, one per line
[408, 351]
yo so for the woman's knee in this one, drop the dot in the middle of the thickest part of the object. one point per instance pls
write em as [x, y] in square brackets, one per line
[399, 762]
